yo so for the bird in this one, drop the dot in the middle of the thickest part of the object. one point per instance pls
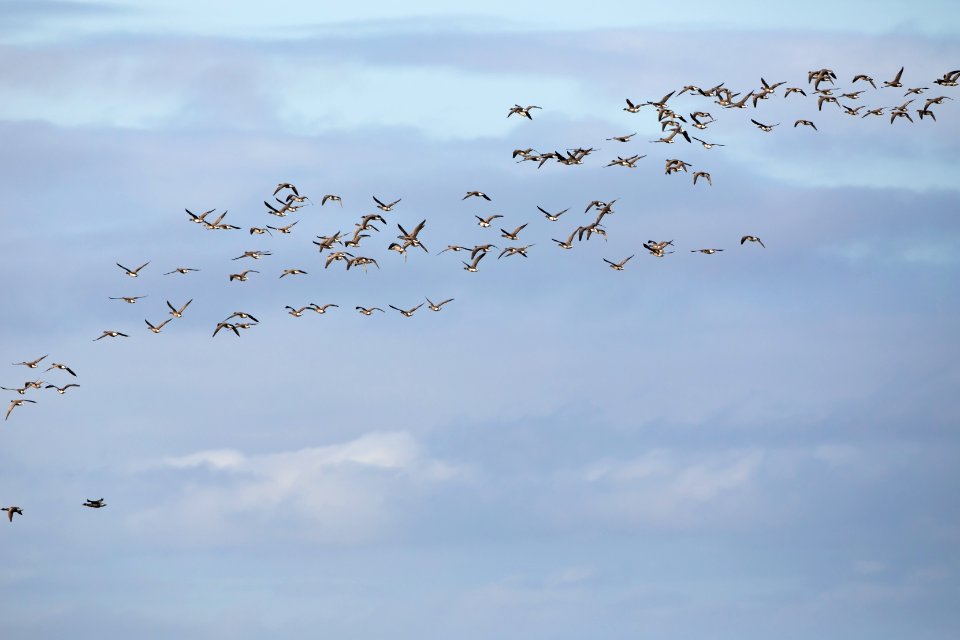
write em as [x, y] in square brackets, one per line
[552, 217]
[293, 272]
[17, 403]
[632, 108]
[617, 266]
[323, 309]
[243, 315]
[180, 270]
[178, 313]
[625, 138]
[702, 174]
[364, 311]
[895, 83]
[708, 145]
[477, 194]
[386, 207]
[764, 127]
[198, 219]
[513, 251]
[522, 111]
[256, 255]
[61, 390]
[285, 229]
[33, 364]
[159, 327]
[362, 261]
[133, 272]
[752, 239]
[568, 244]
[259, 232]
[12, 510]
[111, 334]
[472, 267]
[225, 325]
[332, 198]
[806, 123]
[485, 222]
[512, 235]
[296, 313]
[453, 247]
[412, 237]
[408, 313]
[129, 299]
[865, 78]
[706, 251]
[95, 504]
[285, 185]
[436, 307]
[62, 367]
[242, 276]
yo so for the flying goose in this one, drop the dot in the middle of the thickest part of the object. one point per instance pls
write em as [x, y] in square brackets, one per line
[436, 307]
[708, 145]
[111, 334]
[865, 78]
[285, 185]
[180, 270]
[752, 239]
[243, 315]
[13, 405]
[296, 313]
[632, 108]
[767, 128]
[522, 111]
[552, 217]
[485, 222]
[625, 138]
[159, 327]
[225, 325]
[258, 231]
[61, 390]
[199, 219]
[806, 123]
[386, 207]
[895, 83]
[617, 266]
[362, 261]
[293, 272]
[95, 504]
[472, 267]
[332, 198]
[476, 194]
[62, 367]
[702, 174]
[512, 235]
[242, 276]
[453, 247]
[133, 272]
[12, 510]
[129, 299]
[32, 364]
[256, 255]
[568, 244]
[324, 308]
[285, 229]
[178, 313]
[705, 251]
[513, 251]
[364, 311]
[408, 313]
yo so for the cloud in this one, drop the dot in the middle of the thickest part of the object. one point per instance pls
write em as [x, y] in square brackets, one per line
[338, 493]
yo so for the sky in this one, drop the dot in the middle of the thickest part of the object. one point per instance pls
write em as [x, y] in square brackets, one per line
[758, 442]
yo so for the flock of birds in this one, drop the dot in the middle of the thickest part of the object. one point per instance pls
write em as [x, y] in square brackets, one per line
[349, 248]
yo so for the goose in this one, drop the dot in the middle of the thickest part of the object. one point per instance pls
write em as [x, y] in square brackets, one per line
[752, 239]
[513, 251]
[364, 311]
[632, 108]
[285, 185]
[790, 90]
[332, 198]
[702, 174]
[512, 235]
[552, 217]
[949, 79]
[111, 334]
[159, 327]
[472, 267]
[399, 248]
[133, 272]
[617, 266]
[259, 232]
[178, 313]
[453, 247]
[823, 99]
[180, 270]
[485, 222]
[281, 212]
[522, 111]
[12, 510]
[225, 325]
[296, 313]
[242, 276]
[324, 308]
[705, 251]
[766, 128]
[22, 390]
[95, 504]
[481, 248]
[895, 83]
[362, 261]
[386, 207]
[438, 306]
[625, 138]
[61, 390]
[293, 272]
[336, 256]
[568, 244]
[33, 364]
[851, 95]
[629, 163]
[256, 255]
[61, 367]
[129, 299]
[14, 404]
[243, 315]
[476, 194]
[806, 123]
[408, 313]
[865, 78]
[198, 219]
[412, 237]
[708, 145]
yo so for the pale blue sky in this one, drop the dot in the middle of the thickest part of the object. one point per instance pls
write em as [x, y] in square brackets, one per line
[760, 442]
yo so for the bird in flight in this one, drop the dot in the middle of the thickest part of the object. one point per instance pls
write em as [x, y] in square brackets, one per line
[133, 272]
[522, 111]
[476, 194]
[33, 363]
[752, 239]
[95, 504]
[13, 405]
[437, 307]
[617, 266]
[62, 367]
[12, 510]
[111, 334]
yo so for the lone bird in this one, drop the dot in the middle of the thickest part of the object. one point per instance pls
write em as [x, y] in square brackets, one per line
[752, 239]
[133, 272]
[95, 504]
[12, 510]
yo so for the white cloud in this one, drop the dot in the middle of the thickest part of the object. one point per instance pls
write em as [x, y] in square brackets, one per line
[337, 493]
